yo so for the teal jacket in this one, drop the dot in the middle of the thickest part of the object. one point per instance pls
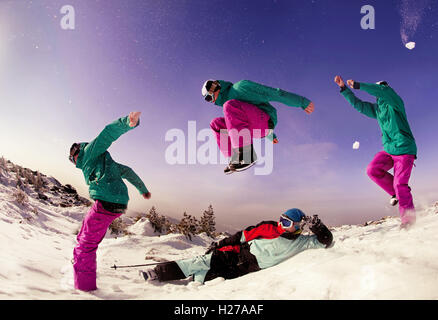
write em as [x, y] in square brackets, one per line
[104, 175]
[269, 246]
[270, 252]
[260, 96]
[389, 110]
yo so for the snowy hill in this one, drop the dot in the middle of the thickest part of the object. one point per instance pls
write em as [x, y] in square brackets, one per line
[376, 261]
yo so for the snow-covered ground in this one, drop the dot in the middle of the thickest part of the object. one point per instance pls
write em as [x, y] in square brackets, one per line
[377, 261]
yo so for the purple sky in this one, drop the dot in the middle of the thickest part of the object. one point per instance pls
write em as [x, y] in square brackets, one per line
[62, 86]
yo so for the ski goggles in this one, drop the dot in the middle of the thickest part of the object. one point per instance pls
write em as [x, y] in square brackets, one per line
[286, 222]
[74, 151]
[209, 97]
[211, 89]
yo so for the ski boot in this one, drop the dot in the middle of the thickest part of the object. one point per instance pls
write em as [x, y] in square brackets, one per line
[393, 201]
[242, 159]
[149, 274]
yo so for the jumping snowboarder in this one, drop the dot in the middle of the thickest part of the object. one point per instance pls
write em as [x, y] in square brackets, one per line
[247, 115]
[257, 247]
[104, 177]
[399, 148]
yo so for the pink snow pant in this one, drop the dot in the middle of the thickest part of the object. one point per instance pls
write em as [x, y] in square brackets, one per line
[241, 123]
[396, 184]
[93, 230]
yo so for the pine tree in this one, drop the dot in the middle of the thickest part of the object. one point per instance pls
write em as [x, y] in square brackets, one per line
[153, 218]
[188, 226]
[20, 196]
[118, 226]
[3, 167]
[158, 222]
[38, 182]
[27, 176]
[18, 178]
[207, 224]
[3, 163]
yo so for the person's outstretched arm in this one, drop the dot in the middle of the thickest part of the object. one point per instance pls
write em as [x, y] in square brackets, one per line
[262, 93]
[110, 134]
[129, 174]
[265, 229]
[366, 108]
[380, 91]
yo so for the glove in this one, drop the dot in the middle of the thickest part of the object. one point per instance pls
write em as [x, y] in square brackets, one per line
[312, 221]
[356, 85]
[322, 233]
[213, 246]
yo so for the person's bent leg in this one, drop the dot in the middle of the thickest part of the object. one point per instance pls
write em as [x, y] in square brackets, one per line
[402, 172]
[169, 271]
[177, 270]
[377, 170]
[197, 266]
[244, 122]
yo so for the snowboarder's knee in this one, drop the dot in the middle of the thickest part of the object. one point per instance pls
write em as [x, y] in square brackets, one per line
[374, 172]
[216, 124]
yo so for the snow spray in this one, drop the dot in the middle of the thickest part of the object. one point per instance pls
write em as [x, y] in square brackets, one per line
[411, 13]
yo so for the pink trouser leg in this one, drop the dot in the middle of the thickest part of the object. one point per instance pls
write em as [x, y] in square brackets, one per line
[93, 230]
[377, 170]
[402, 172]
[397, 184]
[223, 140]
[244, 122]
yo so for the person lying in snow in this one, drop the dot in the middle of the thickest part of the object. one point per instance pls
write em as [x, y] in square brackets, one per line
[399, 147]
[247, 115]
[257, 247]
[104, 177]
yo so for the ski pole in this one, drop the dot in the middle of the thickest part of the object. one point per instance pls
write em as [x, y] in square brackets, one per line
[137, 265]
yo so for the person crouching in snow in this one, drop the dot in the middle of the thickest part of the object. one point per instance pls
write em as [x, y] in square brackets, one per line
[247, 115]
[257, 247]
[399, 147]
[104, 177]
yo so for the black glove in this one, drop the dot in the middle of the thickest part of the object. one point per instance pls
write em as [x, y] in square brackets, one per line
[356, 85]
[213, 246]
[312, 221]
[320, 230]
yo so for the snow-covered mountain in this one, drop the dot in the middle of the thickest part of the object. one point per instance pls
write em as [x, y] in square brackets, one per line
[372, 261]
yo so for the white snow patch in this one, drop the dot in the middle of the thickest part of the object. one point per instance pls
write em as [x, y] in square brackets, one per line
[142, 228]
[410, 45]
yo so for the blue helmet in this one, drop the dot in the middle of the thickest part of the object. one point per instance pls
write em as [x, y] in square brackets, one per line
[295, 214]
